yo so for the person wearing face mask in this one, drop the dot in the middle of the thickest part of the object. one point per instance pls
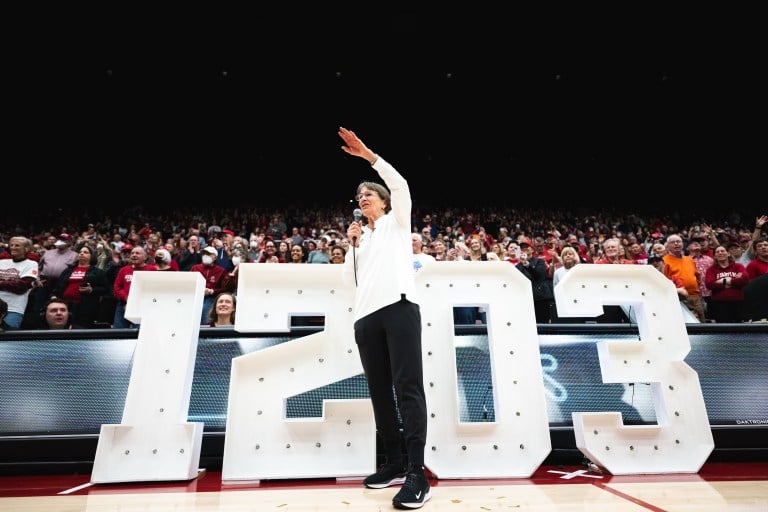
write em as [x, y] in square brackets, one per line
[238, 257]
[164, 262]
[254, 251]
[217, 279]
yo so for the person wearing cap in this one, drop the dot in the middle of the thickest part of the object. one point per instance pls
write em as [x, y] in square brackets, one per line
[224, 245]
[52, 264]
[216, 280]
[122, 285]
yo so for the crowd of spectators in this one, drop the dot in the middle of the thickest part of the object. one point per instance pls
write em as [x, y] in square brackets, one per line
[86, 258]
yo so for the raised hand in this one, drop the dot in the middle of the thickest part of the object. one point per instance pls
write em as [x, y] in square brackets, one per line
[354, 146]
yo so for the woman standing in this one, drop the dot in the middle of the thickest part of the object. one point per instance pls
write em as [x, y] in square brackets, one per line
[726, 280]
[569, 258]
[82, 286]
[388, 324]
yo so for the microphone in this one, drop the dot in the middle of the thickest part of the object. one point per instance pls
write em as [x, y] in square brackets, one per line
[357, 214]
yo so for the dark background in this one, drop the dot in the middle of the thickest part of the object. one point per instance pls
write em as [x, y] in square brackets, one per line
[186, 104]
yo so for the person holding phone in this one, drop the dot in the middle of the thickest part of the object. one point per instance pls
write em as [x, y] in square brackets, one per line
[82, 286]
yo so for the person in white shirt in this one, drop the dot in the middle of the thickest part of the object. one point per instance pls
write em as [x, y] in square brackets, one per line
[388, 324]
[18, 274]
[420, 258]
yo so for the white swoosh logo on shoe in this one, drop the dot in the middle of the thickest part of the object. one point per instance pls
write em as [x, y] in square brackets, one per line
[418, 495]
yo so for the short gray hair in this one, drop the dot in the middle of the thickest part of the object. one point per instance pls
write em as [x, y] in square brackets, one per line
[380, 190]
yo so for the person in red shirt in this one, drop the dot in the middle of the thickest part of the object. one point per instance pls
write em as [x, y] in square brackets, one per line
[82, 286]
[270, 254]
[216, 280]
[611, 253]
[759, 265]
[726, 280]
[122, 286]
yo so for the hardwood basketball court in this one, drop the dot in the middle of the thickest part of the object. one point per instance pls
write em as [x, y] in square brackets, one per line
[716, 487]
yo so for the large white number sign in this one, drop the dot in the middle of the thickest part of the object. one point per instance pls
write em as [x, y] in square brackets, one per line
[154, 441]
[682, 439]
[263, 443]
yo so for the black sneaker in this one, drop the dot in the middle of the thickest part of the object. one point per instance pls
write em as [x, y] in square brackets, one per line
[388, 474]
[415, 492]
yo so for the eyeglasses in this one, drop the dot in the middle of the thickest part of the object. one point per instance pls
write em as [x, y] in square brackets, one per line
[366, 195]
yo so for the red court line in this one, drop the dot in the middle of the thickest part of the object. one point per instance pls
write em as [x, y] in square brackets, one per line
[629, 498]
